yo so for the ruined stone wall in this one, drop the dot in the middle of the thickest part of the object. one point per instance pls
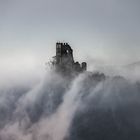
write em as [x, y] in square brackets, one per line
[65, 60]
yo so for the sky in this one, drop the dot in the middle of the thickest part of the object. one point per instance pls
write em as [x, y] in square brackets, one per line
[98, 30]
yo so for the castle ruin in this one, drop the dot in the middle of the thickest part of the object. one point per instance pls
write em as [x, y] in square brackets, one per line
[64, 60]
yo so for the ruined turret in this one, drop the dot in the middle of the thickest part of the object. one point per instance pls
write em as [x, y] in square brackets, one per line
[64, 60]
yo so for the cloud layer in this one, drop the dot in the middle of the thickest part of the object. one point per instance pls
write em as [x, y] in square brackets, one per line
[86, 107]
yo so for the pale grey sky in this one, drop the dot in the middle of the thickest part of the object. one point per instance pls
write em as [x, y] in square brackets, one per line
[107, 30]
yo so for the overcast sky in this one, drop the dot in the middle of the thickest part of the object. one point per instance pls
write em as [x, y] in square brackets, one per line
[107, 30]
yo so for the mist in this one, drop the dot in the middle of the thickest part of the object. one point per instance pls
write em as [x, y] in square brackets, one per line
[55, 107]
[37, 103]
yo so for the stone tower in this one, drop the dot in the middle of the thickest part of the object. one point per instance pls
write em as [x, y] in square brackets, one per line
[64, 59]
